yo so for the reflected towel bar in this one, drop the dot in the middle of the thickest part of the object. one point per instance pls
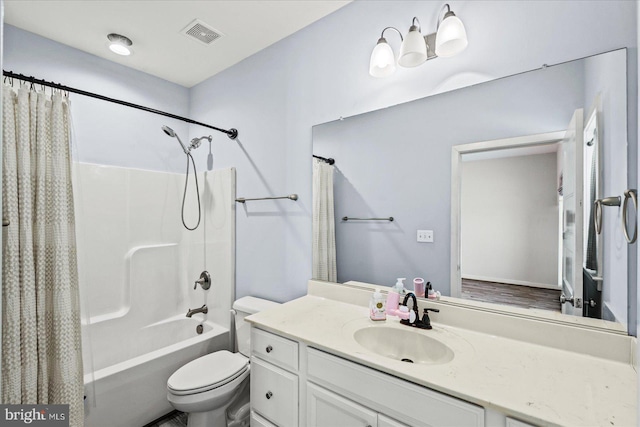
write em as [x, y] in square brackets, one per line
[630, 194]
[346, 218]
[597, 215]
[293, 197]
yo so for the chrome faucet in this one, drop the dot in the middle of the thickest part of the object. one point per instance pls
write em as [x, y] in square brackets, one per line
[202, 309]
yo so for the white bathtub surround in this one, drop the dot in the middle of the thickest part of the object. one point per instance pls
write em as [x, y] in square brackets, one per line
[137, 268]
[41, 358]
[536, 383]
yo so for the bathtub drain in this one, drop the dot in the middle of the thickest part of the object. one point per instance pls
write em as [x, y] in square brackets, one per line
[199, 329]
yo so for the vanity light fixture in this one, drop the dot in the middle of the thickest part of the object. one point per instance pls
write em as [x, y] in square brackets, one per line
[449, 39]
[119, 44]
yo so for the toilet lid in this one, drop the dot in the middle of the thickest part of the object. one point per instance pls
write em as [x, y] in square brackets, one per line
[207, 371]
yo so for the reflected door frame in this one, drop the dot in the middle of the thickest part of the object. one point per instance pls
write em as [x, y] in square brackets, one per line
[456, 180]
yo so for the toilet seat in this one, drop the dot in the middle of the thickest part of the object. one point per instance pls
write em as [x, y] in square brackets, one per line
[207, 373]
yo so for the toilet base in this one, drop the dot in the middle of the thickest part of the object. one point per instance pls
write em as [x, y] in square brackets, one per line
[233, 411]
[215, 418]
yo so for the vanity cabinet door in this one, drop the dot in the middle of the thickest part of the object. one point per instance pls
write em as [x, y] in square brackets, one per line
[327, 409]
[274, 393]
[512, 422]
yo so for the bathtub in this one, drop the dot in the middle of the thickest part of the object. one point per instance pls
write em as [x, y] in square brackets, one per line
[127, 385]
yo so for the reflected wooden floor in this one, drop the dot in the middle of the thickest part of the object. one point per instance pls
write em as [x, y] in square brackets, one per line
[514, 295]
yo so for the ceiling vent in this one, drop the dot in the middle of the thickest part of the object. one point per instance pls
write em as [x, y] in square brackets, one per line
[200, 31]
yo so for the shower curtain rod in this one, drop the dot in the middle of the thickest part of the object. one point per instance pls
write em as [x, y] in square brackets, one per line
[324, 159]
[231, 133]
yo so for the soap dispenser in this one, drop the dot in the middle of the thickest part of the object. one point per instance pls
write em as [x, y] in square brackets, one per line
[430, 292]
[393, 297]
[377, 306]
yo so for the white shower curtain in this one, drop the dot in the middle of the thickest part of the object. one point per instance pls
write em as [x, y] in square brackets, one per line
[41, 349]
[324, 234]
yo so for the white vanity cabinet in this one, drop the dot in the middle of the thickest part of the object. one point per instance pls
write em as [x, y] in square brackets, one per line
[274, 380]
[296, 385]
[325, 408]
[398, 399]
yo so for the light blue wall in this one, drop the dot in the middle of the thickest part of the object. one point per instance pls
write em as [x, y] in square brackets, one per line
[320, 73]
[314, 76]
[106, 133]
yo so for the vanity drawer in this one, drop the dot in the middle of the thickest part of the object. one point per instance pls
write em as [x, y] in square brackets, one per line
[274, 393]
[258, 421]
[419, 405]
[275, 349]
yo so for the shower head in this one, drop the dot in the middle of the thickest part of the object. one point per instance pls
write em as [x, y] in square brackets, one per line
[170, 132]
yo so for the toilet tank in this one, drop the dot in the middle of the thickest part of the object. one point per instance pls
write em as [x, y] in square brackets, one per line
[244, 307]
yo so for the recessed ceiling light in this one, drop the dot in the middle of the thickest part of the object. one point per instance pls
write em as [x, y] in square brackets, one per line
[119, 44]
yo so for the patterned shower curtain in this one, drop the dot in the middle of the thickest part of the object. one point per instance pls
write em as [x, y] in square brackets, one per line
[41, 349]
[324, 233]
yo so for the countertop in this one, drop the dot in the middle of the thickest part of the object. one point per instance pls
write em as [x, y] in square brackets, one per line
[531, 382]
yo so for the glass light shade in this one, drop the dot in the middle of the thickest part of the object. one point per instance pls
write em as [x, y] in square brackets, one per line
[119, 49]
[451, 38]
[414, 49]
[383, 62]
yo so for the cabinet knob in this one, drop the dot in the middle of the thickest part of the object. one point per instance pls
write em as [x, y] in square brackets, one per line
[269, 349]
[268, 395]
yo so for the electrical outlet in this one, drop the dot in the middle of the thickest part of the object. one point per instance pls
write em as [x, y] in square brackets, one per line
[425, 236]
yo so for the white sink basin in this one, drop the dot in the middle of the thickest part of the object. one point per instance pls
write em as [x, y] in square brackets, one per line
[409, 345]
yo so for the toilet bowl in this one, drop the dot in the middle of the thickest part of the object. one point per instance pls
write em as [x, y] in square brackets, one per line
[206, 388]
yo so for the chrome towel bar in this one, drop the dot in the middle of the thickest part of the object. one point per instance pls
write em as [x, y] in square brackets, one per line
[293, 197]
[346, 218]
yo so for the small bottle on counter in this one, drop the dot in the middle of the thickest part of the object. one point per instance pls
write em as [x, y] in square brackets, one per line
[418, 287]
[393, 297]
[377, 309]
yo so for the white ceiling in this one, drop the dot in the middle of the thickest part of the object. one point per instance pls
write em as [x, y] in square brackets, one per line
[248, 26]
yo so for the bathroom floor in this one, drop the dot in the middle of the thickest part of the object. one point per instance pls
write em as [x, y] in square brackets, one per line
[173, 419]
[514, 295]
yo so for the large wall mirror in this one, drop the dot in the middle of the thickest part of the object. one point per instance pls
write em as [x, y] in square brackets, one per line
[504, 175]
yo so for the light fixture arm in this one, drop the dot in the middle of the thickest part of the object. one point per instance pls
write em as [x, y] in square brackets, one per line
[392, 28]
[413, 23]
[447, 14]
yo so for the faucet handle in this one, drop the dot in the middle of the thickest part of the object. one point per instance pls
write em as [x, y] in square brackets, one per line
[204, 281]
[425, 317]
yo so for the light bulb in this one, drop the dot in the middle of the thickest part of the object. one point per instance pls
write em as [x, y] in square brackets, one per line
[119, 44]
[451, 38]
[119, 49]
[383, 62]
[414, 49]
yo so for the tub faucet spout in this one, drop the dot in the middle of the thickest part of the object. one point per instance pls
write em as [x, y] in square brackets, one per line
[202, 309]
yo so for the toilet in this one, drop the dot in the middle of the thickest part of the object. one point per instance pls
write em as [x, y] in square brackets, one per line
[214, 389]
